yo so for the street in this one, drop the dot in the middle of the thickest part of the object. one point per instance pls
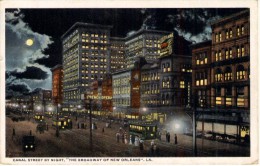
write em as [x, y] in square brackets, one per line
[75, 143]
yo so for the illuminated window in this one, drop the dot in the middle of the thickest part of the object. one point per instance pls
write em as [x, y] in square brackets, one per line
[216, 38]
[182, 84]
[242, 30]
[227, 35]
[238, 31]
[228, 74]
[230, 33]
[243, 51]
[240, 72]
[220, 37]
[218, 56]
[218, 75]
[240, 97]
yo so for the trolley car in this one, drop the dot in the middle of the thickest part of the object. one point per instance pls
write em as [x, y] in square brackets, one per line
[143, 130]
[62, 123]
[39, 117]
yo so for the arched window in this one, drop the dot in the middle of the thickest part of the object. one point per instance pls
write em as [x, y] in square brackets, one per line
[241, 73]
[163, 99]
[228, 74]
[218, 75]
[167, 99]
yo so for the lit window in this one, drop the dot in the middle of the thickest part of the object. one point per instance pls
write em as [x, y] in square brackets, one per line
[216, 38]
[238, 31]
[243, 51]
[182, 84]
[228, 101]
[230, 33]
[218, 100]
[227, 34]
[242, 30]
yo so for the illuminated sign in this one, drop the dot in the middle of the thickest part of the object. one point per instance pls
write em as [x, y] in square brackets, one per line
[99, 97]
[166, 45]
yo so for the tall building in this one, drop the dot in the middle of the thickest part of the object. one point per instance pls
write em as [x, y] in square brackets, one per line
[57, 85]
[166, 84]
[226, 109]
[86, 56]
[126, 91]
[117, 54]
[143, 43]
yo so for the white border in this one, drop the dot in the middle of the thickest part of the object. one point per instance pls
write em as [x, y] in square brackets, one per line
[252, 4]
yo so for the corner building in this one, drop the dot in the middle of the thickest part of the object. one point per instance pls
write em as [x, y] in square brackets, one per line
[226, 109]
[86, 56]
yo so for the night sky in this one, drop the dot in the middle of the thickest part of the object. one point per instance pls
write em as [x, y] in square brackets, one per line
[28, 67]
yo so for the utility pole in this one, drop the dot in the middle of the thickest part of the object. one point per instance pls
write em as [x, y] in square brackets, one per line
[194, 124]
[90, 125]
[57, 119]
[88, 105]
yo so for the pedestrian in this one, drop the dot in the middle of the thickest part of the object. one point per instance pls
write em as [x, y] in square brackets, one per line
[166, 136]
[151, 151]
[175, 139]
[137, 141]
[133, 139]
[126, 141]
[152, 142]
[159, 136]
[123, 138]
[78, 125]
[157, 151]
[103, 130]
[13, 132]
[141, 145]
[130, 140]
[117, 137]
[169, 137]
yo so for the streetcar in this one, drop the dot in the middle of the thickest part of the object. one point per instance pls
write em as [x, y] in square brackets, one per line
[145, 131]
[62, 123]
[39, 117]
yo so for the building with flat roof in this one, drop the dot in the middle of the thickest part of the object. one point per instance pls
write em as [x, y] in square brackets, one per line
[57, 84]
[143, 43]
[222, 78]
[117, 54]
[86, 56]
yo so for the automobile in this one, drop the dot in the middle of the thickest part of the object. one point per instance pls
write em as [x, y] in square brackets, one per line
[28, 143]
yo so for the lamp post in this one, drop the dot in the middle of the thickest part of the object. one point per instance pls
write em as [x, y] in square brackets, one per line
[88, 104]
[57, 119]
[24, 106]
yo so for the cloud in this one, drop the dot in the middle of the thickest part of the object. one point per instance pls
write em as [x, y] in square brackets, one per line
[30, 73]
[21, 60]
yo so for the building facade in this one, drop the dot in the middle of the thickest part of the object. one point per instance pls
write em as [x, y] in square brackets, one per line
[227, 106]
[126, 91]
[86, 56]
[143, 43]
[166, 84]
[117, 54]
[57, 84]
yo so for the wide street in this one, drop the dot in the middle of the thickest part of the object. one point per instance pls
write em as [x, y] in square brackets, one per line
[75, 143]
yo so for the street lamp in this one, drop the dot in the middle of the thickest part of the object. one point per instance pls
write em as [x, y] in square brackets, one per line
[23, 110]
[38, 108]
[57, 120]
[88, 104]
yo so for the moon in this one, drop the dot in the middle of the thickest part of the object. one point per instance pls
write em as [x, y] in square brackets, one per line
[29, 42]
